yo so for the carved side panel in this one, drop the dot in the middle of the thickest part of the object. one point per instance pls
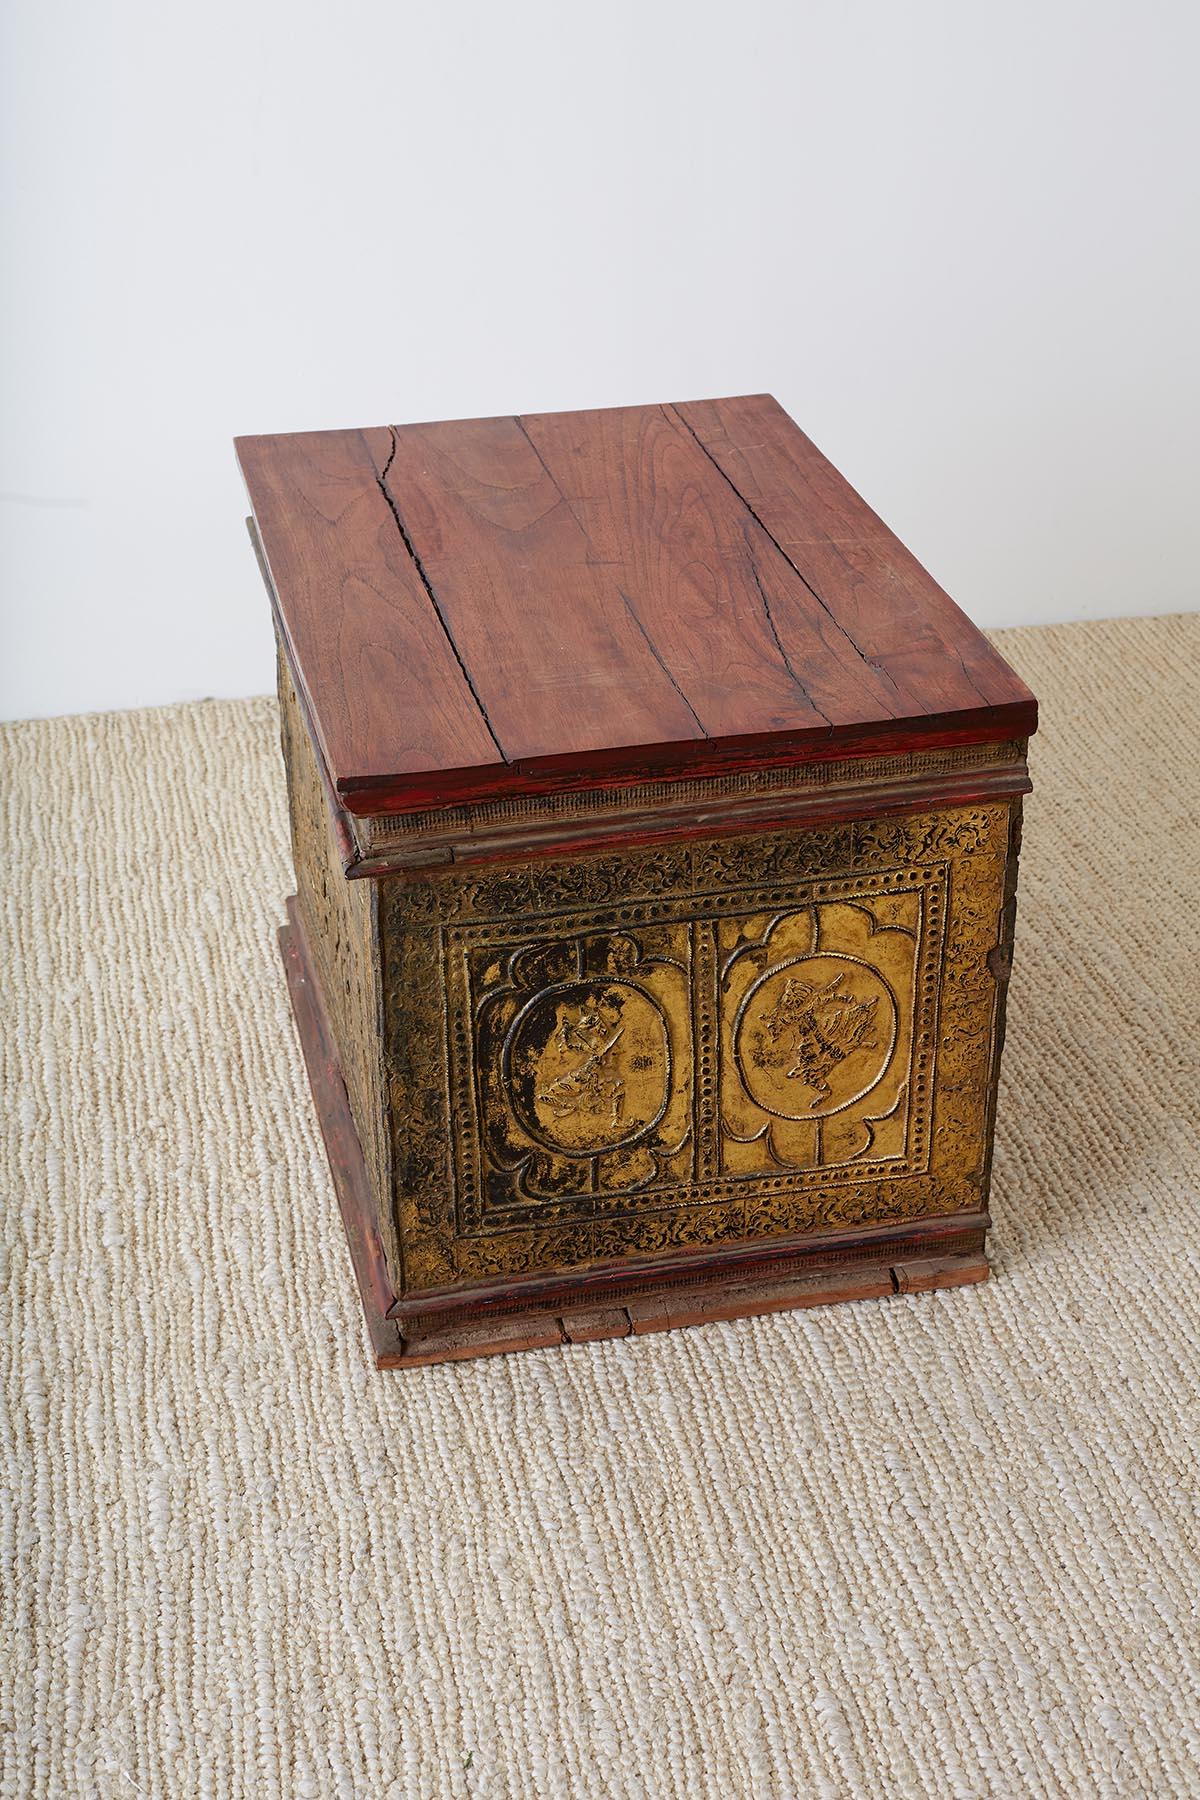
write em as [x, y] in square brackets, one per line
[340, 926]
[729, 1038]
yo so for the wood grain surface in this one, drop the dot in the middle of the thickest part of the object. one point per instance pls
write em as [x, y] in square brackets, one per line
[511, 605]
[384, 688]
[894, 612]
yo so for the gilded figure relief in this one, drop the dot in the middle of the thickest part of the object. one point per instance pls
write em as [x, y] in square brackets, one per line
[817, 1032]
[583, 1065]
[814, 1027]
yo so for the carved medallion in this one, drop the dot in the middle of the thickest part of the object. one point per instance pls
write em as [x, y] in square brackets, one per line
[823, 1026]
[818, 1036]
[588, 1067]
[582, 1069]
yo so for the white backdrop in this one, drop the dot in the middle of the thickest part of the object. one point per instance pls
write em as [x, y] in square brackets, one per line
[958, 242]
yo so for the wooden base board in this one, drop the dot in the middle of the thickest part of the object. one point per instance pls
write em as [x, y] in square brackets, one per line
[868, 1272]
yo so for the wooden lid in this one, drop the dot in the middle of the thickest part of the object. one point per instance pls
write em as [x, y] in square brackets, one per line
[509, 606]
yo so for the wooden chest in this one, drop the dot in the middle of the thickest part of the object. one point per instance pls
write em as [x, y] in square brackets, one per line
[655, 820]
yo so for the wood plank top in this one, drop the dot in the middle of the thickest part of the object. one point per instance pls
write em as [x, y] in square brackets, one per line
[491, 607]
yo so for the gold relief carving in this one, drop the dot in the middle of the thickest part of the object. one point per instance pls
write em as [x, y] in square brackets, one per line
[812, 1014]
[612, 1055]
[827, 1027]
[582, 1067]
[575, 1054]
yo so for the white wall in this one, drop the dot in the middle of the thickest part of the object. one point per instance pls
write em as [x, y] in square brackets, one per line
[957, 240]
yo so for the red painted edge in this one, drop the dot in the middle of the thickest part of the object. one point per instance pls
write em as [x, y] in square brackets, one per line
[367, 796]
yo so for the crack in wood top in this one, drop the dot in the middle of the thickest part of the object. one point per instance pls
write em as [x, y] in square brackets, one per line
[522, 604]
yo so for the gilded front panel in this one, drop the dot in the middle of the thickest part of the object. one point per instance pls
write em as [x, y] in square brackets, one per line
[729, 1038]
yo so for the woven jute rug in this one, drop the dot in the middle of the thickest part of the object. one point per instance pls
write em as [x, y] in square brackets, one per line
[943, 1545]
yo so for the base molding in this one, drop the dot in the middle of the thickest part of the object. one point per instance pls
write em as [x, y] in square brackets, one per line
[928, 1254]
[708, 1302]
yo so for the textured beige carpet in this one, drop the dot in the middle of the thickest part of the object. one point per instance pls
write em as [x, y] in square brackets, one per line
[945, 1545]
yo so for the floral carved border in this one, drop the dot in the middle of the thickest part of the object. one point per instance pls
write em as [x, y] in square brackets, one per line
[426, 924]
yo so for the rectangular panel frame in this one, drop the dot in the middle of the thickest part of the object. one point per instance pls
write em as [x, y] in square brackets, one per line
[429, 924]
